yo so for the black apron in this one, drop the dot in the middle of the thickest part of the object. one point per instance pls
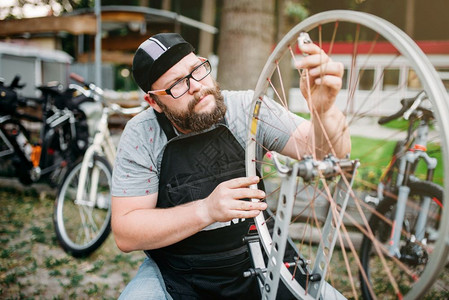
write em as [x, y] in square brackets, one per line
[209, 264]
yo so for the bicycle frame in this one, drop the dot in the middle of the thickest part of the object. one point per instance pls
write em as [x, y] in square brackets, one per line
[307, 169]
[407, 164]
[53, 123]
[102, 143]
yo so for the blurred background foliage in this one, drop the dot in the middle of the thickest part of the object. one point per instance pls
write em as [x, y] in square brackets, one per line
[260, 23]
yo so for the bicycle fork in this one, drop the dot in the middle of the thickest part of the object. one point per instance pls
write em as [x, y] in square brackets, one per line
[83, 180]
[394, 250]
[403, 198]
[308, 169]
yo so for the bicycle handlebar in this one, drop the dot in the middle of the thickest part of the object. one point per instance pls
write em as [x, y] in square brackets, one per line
[78, 78]
[91, 89]
[398, 114]
[128, 111]
[409, 105]
[91, 86]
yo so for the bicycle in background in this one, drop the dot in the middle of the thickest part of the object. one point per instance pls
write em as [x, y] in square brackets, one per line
[82, 210]
[62, 138]
[405, 201]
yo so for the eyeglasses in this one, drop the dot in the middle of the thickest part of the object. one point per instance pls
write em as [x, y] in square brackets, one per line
[181, 86]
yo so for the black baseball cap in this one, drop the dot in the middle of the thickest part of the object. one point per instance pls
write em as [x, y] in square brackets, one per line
[156, 56]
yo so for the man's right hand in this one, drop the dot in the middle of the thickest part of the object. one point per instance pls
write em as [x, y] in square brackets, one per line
[225, 204]
[131, 214]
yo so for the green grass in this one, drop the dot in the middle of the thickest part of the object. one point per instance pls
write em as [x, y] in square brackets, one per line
[375, 155]
[397, 124]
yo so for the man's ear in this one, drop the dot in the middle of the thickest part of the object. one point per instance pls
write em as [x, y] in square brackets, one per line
[152, 103]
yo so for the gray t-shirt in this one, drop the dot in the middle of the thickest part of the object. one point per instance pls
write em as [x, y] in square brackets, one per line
[139, 154]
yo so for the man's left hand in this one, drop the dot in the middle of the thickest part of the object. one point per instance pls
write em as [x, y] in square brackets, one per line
[324, 78]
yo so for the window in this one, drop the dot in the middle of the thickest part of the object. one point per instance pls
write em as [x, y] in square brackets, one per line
[413, 82]
[390, 79]
[295, 78]
[344, 84]
[366, 79]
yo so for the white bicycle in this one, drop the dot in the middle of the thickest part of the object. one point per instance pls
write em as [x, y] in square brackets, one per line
[82, 210]
[319, 206]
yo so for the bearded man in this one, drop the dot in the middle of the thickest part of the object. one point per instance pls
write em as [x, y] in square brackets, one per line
[179, 185]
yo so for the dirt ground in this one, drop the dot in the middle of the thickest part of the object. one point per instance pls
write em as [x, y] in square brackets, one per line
[34, 266]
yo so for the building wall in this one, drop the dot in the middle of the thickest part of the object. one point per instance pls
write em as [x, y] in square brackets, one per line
[35, 66]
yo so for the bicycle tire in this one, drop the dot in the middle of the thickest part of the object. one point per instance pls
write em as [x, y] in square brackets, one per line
[358, 106]
[382, 229]
[77, 235]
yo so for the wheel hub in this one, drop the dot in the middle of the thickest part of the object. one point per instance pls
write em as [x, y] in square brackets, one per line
[414, 254]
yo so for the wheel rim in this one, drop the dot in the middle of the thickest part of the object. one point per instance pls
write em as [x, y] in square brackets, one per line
[416, 61]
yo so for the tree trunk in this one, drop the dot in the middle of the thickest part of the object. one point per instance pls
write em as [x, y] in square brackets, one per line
[410, 18]
[246, 39]
[166, 5]
[285, 23]
[206, 38]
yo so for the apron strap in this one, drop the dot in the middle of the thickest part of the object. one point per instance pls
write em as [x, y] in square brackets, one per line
[165, 124]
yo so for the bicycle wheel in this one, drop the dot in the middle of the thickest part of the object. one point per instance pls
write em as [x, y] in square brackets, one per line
[414, 251]
[382, 66]
[83, 224]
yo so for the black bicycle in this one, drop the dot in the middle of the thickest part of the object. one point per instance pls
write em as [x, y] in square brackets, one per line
[63, 136]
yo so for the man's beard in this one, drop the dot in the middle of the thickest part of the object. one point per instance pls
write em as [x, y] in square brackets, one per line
[191, 121]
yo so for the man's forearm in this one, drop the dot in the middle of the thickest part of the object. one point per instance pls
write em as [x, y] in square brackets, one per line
[151, 228]
[332, 134]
